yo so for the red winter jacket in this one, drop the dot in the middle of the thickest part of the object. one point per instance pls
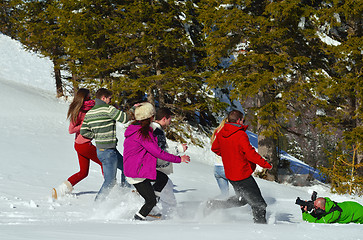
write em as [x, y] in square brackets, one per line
[75, 127]
[238, 156]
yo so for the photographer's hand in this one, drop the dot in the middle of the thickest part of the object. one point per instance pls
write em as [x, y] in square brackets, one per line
[304, 208]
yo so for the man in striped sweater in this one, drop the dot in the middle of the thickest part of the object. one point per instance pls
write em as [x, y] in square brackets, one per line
[100, 124]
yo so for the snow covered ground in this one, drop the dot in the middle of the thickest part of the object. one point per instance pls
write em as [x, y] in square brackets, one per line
[36, 154]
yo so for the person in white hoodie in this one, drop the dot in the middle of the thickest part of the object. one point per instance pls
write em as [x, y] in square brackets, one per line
[167, 199]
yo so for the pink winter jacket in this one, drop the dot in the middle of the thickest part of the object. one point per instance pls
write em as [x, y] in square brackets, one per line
[140, 154]
[75, 127]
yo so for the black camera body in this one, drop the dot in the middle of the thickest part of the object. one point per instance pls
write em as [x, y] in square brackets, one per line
[309, 204]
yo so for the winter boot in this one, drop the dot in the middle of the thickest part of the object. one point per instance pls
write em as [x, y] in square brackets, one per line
[259, 215]
[62, 190]
[155, 212]
[139, 217]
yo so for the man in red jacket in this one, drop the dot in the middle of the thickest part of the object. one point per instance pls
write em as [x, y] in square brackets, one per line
[239, 161]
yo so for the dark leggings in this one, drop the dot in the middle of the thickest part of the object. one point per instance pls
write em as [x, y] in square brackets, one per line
[147, 191]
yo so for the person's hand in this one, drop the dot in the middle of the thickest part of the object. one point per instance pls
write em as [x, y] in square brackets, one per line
[185, 147]
[304, 208]
[185, 159]
[132, 109]
[136, 105]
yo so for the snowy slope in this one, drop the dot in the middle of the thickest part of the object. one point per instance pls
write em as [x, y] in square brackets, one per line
[24, 67]
[37, 154]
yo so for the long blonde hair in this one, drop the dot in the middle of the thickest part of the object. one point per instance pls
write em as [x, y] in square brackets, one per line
[77, 103]
[213, 137]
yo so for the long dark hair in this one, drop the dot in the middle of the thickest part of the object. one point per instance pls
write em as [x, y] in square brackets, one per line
[75, 106]
[145, 128]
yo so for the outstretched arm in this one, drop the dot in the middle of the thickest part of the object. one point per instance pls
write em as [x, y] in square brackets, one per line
[251, 153]
[117, 115]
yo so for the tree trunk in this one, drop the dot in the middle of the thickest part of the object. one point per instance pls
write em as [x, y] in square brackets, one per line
[267, 145]
[160, 93]
[150, 96]
[75, 83]
[58, 80]
[359, 144]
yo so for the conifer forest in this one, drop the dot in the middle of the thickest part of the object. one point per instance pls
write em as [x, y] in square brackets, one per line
[294, 65]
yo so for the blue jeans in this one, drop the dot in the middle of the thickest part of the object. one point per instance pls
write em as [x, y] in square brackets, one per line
[111, 160]
[221, 180]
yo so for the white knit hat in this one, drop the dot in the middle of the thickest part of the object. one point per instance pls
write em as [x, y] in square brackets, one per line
[144, 111]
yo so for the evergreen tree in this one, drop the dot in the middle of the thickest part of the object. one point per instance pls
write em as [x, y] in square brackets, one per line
[273, 57]
[9, 10]
[160, 39]
[88, 27]
[137, 48]
[340, 86]
[39, 31]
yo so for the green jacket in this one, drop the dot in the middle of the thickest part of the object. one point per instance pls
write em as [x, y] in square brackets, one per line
[100, 124]
[352, 212]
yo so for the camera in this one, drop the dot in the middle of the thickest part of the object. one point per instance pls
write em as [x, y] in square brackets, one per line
[309, 204]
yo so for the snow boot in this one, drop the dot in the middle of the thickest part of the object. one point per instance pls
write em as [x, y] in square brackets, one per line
[139, 217]
[259, 215]
[63, 189]
[155, 212]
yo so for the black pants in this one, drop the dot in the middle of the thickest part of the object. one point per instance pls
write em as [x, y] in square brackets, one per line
[147, 191]
[160, 182]
[247, 192]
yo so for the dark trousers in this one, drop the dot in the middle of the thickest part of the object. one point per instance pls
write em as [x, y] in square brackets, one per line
[160, 182]
[247, 192]
[147, 191]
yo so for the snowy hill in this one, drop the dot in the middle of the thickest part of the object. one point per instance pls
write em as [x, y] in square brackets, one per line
[37, 154]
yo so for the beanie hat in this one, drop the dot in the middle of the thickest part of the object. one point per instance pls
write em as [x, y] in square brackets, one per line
[144, 111]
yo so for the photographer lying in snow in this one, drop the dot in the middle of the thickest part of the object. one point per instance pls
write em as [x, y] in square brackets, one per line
[324, 210]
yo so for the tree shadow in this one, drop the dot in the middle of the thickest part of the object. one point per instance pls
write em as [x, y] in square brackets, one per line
[285, 217]
[85, 193]
[183, 191]
[270, 200]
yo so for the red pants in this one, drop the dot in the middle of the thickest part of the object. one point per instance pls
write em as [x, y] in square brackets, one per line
[86, 152]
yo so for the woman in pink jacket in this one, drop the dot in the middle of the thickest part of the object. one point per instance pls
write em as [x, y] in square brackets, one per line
[85, 149]
[141, 151]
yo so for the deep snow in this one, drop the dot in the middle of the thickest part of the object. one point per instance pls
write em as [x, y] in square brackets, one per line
[37, 154]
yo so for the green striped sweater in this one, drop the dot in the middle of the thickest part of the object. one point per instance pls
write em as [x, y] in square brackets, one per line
[100, 124]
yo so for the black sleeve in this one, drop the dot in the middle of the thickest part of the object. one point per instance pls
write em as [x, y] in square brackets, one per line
[161, 138]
